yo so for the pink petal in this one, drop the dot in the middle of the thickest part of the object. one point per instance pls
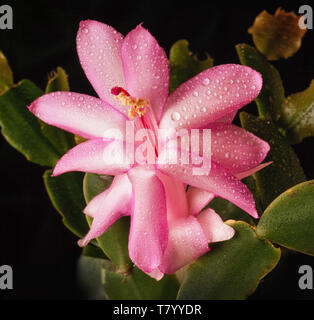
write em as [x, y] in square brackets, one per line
[156, 274]
[146, 68]
[96, 156]
[244, 174]
[107, 207]
[94, 205]
[120, 182]
[211, 95]
[80, 114]
[149, 230]
[198, 199]
[235, 148]
[186, 243]
[177, 205]
[99, 50]
[219, 181]
[213, 226]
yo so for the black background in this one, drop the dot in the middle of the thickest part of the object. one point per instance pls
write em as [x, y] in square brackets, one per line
[33, 240]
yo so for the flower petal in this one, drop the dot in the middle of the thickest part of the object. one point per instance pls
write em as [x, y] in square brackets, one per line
[177, 205]
[218, 181]
[198, 199]
[211, 95]
[107, 207]
[146, 68]
[156, 274]
[149, 229]
[96, 156]
[80, 114]
[244, 174]
[93, 206]
[186, 243]
[235, 148]
[213, 226]
[99, 51]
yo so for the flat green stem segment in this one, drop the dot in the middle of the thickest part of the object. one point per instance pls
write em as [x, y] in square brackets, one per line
[297, 115]
[184, 65]
[66, 194]
[21, 128]
[58, 81]
[233, 269]
[272, 94]
[60, 139]
[285, 171]
[6, 75]
[289, 219]
[136, 285]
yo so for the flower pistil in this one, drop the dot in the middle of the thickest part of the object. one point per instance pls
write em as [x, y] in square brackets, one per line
[138, 106]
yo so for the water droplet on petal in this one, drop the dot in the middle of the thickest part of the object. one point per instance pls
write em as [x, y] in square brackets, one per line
[175, 116]
[206, 82]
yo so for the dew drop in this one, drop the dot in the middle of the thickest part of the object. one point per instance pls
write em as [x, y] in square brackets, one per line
[206, 82]
[195, 94]
[175, 116]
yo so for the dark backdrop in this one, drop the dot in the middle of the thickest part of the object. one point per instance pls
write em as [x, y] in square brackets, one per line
[33, 240]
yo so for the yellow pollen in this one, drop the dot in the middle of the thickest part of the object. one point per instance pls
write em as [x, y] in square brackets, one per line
[138, 106]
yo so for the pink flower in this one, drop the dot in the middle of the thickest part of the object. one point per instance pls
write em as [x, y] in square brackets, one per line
[131, 77]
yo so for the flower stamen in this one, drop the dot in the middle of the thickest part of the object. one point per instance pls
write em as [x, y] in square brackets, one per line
[137, 106]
